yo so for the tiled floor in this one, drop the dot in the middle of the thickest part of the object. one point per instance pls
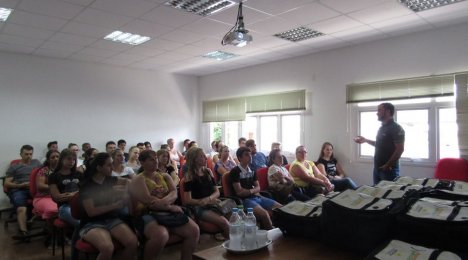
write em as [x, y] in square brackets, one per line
[35, 250]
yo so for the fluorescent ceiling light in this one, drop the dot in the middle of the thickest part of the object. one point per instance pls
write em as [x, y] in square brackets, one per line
[128, 38]
[201, 7]
[4, 13]
[299, 34]
[220, 55]
[422, 5]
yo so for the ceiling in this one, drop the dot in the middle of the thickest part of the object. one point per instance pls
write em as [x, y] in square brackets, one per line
[73, 29]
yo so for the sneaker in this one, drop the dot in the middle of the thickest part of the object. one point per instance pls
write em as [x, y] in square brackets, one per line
[22, 235]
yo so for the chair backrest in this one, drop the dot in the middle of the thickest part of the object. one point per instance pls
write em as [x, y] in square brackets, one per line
[262, 177]
[15, 161]
[287, 167]
[77, 210]
[209, 163]
[33, 181]
[452, 169]
[226, 183]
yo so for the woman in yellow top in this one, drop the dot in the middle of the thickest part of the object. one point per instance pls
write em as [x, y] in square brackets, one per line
[156, 192]
[307, 177]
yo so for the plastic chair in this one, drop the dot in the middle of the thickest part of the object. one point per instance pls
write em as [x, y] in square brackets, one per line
[11, 210]
[452, 169]
[262, 177]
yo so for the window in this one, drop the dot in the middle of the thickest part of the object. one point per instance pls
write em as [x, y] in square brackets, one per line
[265, 129]
[429, 124]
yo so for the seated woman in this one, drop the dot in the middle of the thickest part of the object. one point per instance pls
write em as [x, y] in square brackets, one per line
[42, 202]
[224, 164]
[133, 162]
[118, 165]
[328, 165]
[103, 196]
[63, 185]
[280, 182]
[88, 156]
[165, 165]
[200, 191]
[155, 192]
[308, 178]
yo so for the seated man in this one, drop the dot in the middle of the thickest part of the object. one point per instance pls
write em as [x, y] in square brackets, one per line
[17, 183]
[259, 160]
[245, 186]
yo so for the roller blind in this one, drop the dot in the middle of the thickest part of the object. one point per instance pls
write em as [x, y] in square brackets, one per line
[434, 86]
[286, 101]
[232, 109]
[461, 81]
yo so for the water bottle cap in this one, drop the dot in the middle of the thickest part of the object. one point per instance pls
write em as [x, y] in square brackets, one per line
[235, 209]
[249, 209]
[240, 206]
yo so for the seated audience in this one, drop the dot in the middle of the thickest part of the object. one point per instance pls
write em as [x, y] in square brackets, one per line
[110, 147]
[328, 165]
[224, 164]
[148, 146]
[186, 146]
[280, 182]
[201, 192]
[118, 165]
[17, 184]
[213, 150]
[84, 148]
[121, 145]
[192, 144]
[133, 162]
[218, 146]
[76, 150]
[245, 186]
[63, 184]
[241, 143]
[42, 202]
[52, 145]
[173, 152]
[165, 165]
[308, 178]
[155, 192]
[141, 146]
[259, 160]
[88, 155]
[277, 146]
[103, 196]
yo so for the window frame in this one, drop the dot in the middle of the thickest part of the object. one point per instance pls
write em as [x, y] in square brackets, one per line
[432, 105]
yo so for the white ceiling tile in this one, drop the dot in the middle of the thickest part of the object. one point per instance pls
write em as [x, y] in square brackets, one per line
[27, 31]
[104, 19]
[229, 15]
[276, 7]
[157, 61]
[273, 25]
[268, 41]
[86, 30]
[86, 57]
[364, 31]
[396, 24]
[133, 8]
[144, 51]
[309, 13]
[347, 6]
[145, 28]
[161, 44]
[335, 24]
[173, 56]
[14, 39]
[111, 45]
[98, 52]
[208, 27]
[9, 3]
[208, 42]
[80, 2]
[194, 50]
[445, 10]
[65, 47]
[182, 36]
[128, 57]
[55, 53]
[324, 41]
[36, 20]
[448, 19]
[72, 39]
[145, 65]
[170, 16]
[117, 62]
[54, 8]
[18, 48]
[380, 12]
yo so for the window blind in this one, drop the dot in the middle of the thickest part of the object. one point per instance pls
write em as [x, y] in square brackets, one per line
[433, 86]
[234, 109]
[224, 110]
[461, 82]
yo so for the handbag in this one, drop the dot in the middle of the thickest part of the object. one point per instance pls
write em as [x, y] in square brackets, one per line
[223, 207]
[170, 219]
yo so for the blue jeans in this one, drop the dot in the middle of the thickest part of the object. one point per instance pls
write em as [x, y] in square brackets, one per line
[64, 213]
[389, 175]
[344, 184]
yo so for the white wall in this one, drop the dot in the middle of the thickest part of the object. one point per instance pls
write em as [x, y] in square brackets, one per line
[326, 74]
[44, 99]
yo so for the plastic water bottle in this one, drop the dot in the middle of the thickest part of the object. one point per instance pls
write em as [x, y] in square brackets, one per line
[242, 219]
[250, 230]
[235, 230]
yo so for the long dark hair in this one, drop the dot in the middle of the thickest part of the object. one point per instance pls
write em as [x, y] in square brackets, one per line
[272, 155]
[332, 156]
[64, 154]
[88, 156]
[48, 155]
[99, 160]
[192, 164]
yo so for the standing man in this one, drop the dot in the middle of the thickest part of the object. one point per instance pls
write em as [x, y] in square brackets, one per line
[17, 183]
[258, 159]
[389, 145]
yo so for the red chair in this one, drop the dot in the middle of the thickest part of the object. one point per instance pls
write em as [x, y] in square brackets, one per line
[287, 167]
[206, 227]
[226, 183]
[452, 169]
[262, 177]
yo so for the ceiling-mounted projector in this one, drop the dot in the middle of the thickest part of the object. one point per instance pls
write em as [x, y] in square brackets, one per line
[238, 35]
